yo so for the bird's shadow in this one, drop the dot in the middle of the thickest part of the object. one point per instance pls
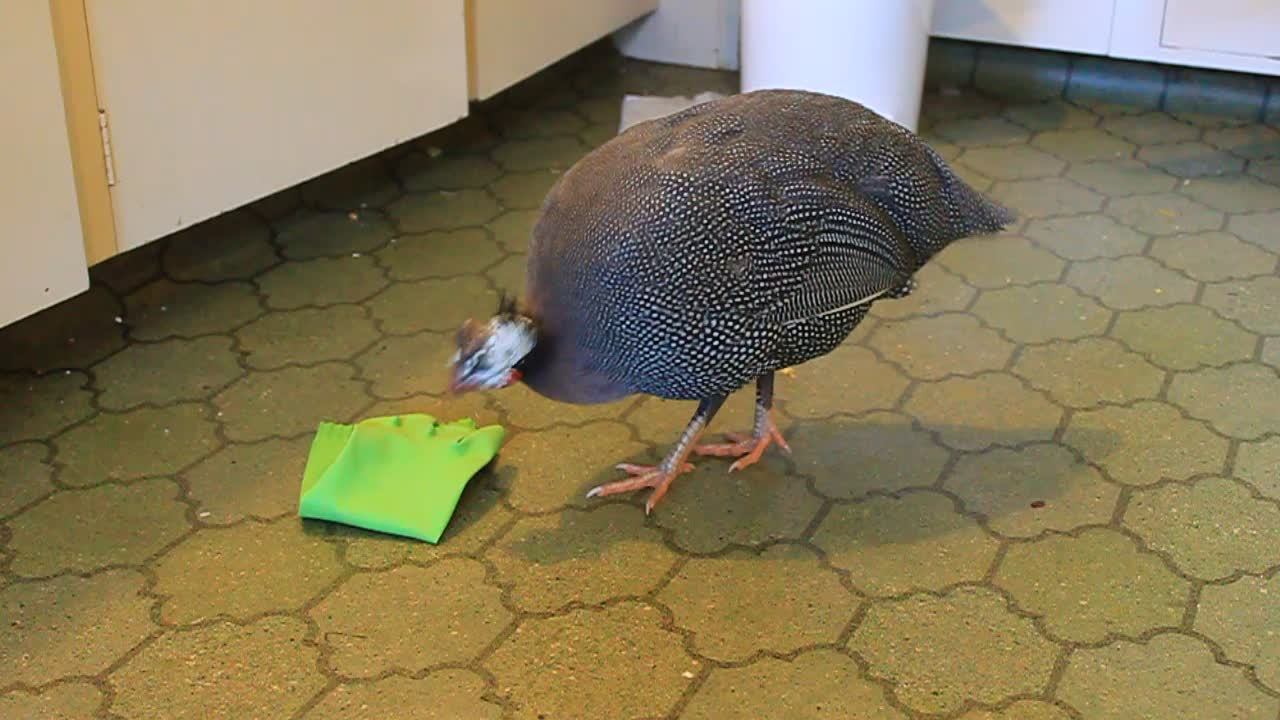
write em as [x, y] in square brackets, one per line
[848, 461]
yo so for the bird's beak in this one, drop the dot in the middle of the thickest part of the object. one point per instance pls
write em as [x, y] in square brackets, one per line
[456, 384]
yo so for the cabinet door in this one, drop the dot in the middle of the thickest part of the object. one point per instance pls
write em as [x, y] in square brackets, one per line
[513, 39]
[211, 105]
[1238, 27]
[44, 260]
[1239, 35]
[1069, 25]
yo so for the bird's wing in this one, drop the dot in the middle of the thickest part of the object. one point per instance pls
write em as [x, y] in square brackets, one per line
[852, 253]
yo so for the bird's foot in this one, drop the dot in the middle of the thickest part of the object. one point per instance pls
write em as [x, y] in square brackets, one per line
[642, 476]
[747, 448]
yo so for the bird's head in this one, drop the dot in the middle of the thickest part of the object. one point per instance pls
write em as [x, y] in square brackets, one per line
[489, 355]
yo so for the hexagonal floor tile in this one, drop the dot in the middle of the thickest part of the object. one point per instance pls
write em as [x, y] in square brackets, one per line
[86, 530]
[710, 509]
[1093, 587]
[1085, 373]
[1015, 162]
[164, 372]
[438, 305]
[585, 663]
[937, 290]
[1240, 618]
[399, 367]
[33, 408]
[1026, 491]
[164, 309]
[524, 190]
[965, 646]
[332, 234]
[1257, 228]
[234, 245]
[1040, 313]
[441, 695]
[1190, 159]
[1184, 337]
[896, 545]
[1046, 197]
[850, 379]
[443, 210]
[795, 604]
[1150, 128]
[355, 186]
[440, 254]
[1168, 676]
[255, 568]
[61, 702]
[321, 281]
[1213, 256]
[459, 615]
[289, 402]
[1241, 400]
[107, 447]
[202, 673]
[450, 171]
[1234, 193]
[1083, 145]
[817, 685]
[106, 614]
[72, 334]
[1084, 237]
[1119, 178]
[932, 348]
[1130, 283]
[551, 469]
[1164, 214]
[306, 336]
[260, 481]
[879, 452]
[1211, 529]
[977, 413]
[25, 476]
[539, 153]
[1255, 303]
[996, 262]
[580, 557]
[1145, 443]
[1256, 464]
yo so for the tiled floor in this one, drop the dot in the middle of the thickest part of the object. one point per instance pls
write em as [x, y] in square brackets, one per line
[1043, 487]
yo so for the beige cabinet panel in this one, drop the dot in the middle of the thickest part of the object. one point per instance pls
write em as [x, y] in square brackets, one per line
[41, 243]
[509, 40]
[212, 105]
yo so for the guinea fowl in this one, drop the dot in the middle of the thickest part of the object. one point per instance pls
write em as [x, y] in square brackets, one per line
[696, 253]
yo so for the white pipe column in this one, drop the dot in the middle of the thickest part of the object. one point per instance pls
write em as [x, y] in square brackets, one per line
[869, 51]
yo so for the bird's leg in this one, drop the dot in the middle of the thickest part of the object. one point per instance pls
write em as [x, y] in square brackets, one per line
[659, 477]
[749, 448]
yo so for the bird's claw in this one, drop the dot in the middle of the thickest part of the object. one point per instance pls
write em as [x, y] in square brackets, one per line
[748, 448]
[642, 476]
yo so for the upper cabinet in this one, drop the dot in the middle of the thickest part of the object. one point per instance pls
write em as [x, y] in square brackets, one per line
[44, 257]
[509, 40]
[208, 106]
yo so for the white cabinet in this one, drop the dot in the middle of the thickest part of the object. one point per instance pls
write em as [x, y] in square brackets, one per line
[1068, 25]
[213, 105]
[509, 40]
[44, 260]
[1240, 35]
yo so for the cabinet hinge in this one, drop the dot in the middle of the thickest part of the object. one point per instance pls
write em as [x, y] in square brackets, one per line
[106, 147]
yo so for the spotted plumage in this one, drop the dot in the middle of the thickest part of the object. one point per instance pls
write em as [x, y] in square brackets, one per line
[694, 254]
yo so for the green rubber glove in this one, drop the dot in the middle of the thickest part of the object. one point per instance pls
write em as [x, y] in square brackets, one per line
[400, 475]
